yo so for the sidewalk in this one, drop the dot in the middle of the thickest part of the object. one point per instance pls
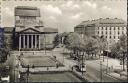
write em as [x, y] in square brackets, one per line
[114, 65]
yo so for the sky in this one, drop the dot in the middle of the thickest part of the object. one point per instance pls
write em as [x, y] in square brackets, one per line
[66, 14]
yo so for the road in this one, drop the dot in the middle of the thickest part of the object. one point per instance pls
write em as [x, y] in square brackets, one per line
[93, 68]
[94, 71]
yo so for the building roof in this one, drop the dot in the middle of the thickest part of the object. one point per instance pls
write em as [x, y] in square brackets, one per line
[8, 29]
[39, 29]
[48, 29]
[103, 22]
[27, 11]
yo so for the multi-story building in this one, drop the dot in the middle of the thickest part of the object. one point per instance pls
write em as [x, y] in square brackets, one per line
[29, 32]
[111, 29]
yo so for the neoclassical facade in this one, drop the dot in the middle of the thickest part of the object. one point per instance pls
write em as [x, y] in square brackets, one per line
[29, 32]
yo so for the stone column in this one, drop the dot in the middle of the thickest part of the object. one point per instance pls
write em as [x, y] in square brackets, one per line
[39, 41]
[19, 42]
[27, 41]
[24, 41]
[35, 41]
[31, 41]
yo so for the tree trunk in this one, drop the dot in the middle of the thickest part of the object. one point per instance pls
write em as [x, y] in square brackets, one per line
[92, 55]
[99, 54]
[95, 55]
[123, 63]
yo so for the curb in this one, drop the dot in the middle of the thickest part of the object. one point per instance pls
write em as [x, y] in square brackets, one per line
[111, 75]
[114, 77]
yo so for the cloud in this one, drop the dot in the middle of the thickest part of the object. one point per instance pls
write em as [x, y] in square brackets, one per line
[8, 11]
[51, 9]
[53, 18]
[70, 5]
[106, 8]
[76, 16]
[93, 5]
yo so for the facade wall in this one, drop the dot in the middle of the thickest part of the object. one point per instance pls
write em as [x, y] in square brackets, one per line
[47, 40]
[112, 33]
[111, 29]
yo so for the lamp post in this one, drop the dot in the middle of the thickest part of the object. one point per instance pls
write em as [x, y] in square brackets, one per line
[101, 71]
[107, 54]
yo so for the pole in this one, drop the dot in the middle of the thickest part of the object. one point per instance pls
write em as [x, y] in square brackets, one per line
[103, 56]
[82, 63]
[101, 71]
[14, 74]
[27, 73]
[45, 43]
[107, 55]
[127, 51]
[123, 61]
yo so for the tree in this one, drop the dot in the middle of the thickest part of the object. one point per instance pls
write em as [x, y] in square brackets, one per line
[73, 42]
[120, 48]
[90, 45]
[56, 40]
[5, 51]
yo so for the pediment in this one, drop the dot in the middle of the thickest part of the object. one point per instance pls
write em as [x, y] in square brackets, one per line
[30, 30]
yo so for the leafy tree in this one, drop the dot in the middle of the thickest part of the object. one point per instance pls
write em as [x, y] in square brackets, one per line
[73, 42]
[120, 47]
[5, 51]
[56, 40]
[90, 45]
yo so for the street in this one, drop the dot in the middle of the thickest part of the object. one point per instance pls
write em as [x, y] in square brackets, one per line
[93, 68]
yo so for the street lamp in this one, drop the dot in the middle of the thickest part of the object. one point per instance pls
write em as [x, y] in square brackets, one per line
[107, 54]
[101, 71]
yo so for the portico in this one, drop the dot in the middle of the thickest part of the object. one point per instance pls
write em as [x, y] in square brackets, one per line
[29, 41]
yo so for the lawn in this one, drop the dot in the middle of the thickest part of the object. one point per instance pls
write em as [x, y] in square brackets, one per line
[54, 77]
[38, 61]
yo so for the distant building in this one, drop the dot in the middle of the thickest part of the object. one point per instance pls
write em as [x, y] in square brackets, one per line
[29, 32]
[1, 37]
[111, 29]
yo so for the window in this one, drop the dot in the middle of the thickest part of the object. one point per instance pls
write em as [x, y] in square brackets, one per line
[118, 28]
[102, 32]
[122, 28]
[98, 32]
[110, 28]
[114, 28]
[106, 36]
[102, 28]
[118, 32]
[106, 32]
[122, 32]
[118, 37]
[114, 37]
[106, 28]
[110, 37]
[98, 28]
[110, 32]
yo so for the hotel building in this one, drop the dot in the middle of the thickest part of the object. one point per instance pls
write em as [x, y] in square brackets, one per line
[109, 28]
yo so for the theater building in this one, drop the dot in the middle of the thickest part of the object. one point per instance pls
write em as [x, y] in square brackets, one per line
[29, 33]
